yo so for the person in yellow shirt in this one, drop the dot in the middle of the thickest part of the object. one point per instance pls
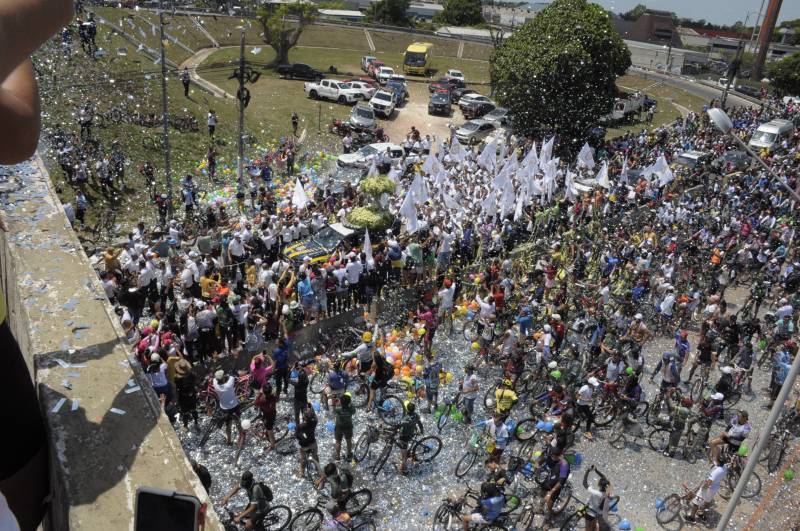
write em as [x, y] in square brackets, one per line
[208, 285]
[504, 398]
[250, 274]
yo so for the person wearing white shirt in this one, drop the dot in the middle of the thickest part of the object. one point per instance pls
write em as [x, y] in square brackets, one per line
[667, 304]
[354, 270]
[708, 489]
[228, 402]
[445, 250]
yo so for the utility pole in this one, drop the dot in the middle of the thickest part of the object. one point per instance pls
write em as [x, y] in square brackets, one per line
[241, 97]
[165, 112]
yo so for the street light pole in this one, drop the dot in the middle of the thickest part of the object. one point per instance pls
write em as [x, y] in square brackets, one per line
[165, 112]
[724, 124]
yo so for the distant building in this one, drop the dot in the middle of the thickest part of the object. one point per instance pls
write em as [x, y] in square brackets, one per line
[342, 14]
[424, 10]
[652, 26]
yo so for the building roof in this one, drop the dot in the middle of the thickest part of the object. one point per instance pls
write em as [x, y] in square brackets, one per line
[341, 13]
[456, 31]
[416, 6]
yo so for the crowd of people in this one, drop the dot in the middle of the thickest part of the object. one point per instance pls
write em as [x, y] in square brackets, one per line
[565, 271]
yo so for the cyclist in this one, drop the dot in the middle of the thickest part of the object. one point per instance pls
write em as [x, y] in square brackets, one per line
[670, 371]
[498, 431]
[337, 382]
[469, 392]
[343, 426]
[490, 506]
[340, 480]
[409, 425]
[725, 383]
[267, 404]
[557, 477]
[706, 492]
[599, 502]
[505, 398]
[679, 413]
[307, 438]
[737, 432]
[705, 350]
[228, 402]
[637, 334]
[258, 495]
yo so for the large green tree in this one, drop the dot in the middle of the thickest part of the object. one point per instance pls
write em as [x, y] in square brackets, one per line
[461, 13]
[559, 70]
[282, 25]
[785, 75]
[392, 12]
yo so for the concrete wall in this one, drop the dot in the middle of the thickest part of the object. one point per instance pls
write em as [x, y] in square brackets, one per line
[107, 435]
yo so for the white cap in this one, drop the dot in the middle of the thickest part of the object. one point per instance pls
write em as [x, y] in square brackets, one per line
[219, 374]
[717, 396]
[547, 328]
[154, 357]
[552, 365]
[593, 381]
[726, 370]
[638, 317]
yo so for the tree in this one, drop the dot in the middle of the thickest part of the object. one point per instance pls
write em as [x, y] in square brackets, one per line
[785, 75]
[559, 70]
[282, 26]
[461, 13]
[634, 13]
[391, 12]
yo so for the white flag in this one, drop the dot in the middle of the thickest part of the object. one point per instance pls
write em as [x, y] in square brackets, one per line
[430, 164]
[373, 170]
[623, 175]
[547, 152]
[531, 161]
[418, 189]
[602, 176]
[299, 197]
[585, 157]
[488, 206]
[570, 191]
[488, 156]
[507, 199]
[368, 249]
[666, 177]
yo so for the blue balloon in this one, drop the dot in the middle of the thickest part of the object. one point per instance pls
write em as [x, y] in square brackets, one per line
[624, 525]
[548, 427]
[540, 425]
[387, 405]
[291, 426]
[659, 503]
[470, 314]
[578, 459]
[316, 405]
[511, 424]
[330, 426]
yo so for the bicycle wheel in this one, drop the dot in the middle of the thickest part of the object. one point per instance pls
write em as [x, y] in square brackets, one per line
[212, 425]
[464, 464]
[426, 449]
[281, 427]
[471, 332]
[444, 517]
[391, 410]
[605, 414]
[368, 525]
[358, 501]
[564, 496]
[617, 439]
[733, 398]
[277, 518]
[361, 450]
[753, 487]
[658, 440]
[573, 522]
[775, 456]
[488, 396]
[378, 466]
[525, 519]
[359, 393]
[444, 417]
[526, 430]
[317, 383]
[312, 474]
[670, 510]
[696, 391]
[653, 412]
[286, 446]
[641, 409]
[308, 520]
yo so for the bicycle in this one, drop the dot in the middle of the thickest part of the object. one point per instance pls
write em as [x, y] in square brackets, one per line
[735, 468]
[276, 518]
[776, 449]
[477, 444]
[573, 521]
[694, 439]
[452, 409]
[355, 505]
[422, 450]
[670, 508]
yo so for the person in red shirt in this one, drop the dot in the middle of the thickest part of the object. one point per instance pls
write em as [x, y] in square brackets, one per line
[266, 403]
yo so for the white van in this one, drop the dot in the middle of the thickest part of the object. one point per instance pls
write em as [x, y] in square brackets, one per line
[769, 135]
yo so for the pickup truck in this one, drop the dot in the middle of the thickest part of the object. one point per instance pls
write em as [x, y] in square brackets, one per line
[383, 103]
[299, 71]
[331, 89]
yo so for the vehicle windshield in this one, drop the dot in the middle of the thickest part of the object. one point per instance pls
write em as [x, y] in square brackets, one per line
[764, 136]
[470, 126]
[383, 96]
[440, 98]
[327, 237]
[686, 161]
[497, 113]
[415, 59]
[363, 112]
[341, 86]
[366, 151]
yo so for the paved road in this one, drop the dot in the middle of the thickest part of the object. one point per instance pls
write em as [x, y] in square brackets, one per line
[693, 87]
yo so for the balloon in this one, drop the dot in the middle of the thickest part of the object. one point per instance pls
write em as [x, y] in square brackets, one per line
[246, 424]
[476, 345]
[396, 371]
[291, 426]
[316, 406]
[624, 525]
[743, 449]
[420, 331]
[449, 377]
[330, 426]
[470, 314]
[419, 369]
[788, 475]
[555, 375]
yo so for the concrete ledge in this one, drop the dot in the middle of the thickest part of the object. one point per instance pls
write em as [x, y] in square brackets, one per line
[107, 436]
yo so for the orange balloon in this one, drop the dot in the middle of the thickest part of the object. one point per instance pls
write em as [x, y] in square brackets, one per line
[396, 371]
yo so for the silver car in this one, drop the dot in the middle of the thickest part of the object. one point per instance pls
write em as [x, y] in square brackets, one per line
[474, 131]
[363, 117]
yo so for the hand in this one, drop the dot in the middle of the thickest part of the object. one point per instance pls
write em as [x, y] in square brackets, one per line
[237, 518]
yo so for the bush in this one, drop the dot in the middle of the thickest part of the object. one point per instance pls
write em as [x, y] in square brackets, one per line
[376, 186]
[370, 218]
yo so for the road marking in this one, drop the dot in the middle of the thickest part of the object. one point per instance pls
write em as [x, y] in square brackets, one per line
[460, 49]
[771, 491]
[369, 40]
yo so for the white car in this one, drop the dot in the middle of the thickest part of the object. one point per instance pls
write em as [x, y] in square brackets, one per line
[466, 99]
[384, 73]
[383, 103]
[364, 156]
[455, 74]
[330, 89]
[365, 61]
[365, 89]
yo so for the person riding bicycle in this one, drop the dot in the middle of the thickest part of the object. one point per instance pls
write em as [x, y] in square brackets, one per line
[340, 481]
[679, 414]
[410, 424]
[725, 383]
[558, 473]
[259, 496]
[708, 489]
[363, 352]
[632, 392]
[682, 347]
[670, 371]
[735, 435]
[383, 373]
[599, 503]
[337, 382]
[637, 334]
[490, 505]
[706, 356]
[505, 398]
[497, 430]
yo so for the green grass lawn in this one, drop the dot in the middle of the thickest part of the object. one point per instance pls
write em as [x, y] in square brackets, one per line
[328, 37]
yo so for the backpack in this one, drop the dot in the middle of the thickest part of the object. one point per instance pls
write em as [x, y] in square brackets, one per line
[385, 370]
[792, 282]
[265, 490]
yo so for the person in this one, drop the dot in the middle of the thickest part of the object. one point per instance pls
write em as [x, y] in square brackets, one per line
[225, 388]
[497, 430]
[679, 413]
[212, 123]
[343, 426]
[469, 392]
[505, 398]
[491, 504]
[709, 488]
[280, 358]
[431, 376]
[299, 380]
[157, 372]
[410, 423]
[295, 123]
[584, 403]
[266, 402]
[186, 388]
[670, 371]
[340, 481]
[185, 79]
[599, 503]
[336, 384]
[557, 477]
[202, 474]
[735, 435]
[307, 438]
[258, 495]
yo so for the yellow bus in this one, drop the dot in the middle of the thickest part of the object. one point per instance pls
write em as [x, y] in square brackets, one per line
[418, 59]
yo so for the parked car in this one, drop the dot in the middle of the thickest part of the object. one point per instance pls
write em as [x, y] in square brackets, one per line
[440, 103]
[343, 176]
[444, 83]
[475, 105]
[362, 116]
[474, 131]
[457, 93]
[383, 74]
[693, 160]
[733, 160]
[321, 245]
[747, 89]
[364, 156]
[374, 66]
[365, 89]
[399, 91]
[364, 79]
[498, 116]
[383, 103]
[455, 74]
[365, 62]
[299, 71]
[331, 89]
